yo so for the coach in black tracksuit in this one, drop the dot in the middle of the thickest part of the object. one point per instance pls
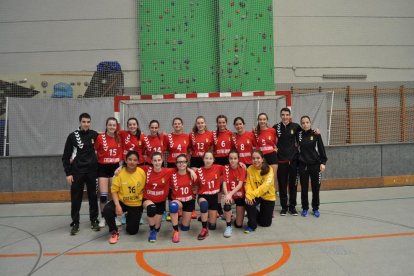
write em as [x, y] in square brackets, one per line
[80, 164]
[287, 154]
[312, 161]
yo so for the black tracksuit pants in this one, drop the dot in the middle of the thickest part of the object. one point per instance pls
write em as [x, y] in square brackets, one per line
[133, 217]
[286, 176]
[261, 217]
[76, 195]
[312, 171]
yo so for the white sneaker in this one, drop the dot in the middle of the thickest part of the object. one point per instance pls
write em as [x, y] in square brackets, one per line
[118, 222]
[228, 232]
[102, 223]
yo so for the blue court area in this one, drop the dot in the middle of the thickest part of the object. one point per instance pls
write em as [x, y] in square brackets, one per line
[359, 232]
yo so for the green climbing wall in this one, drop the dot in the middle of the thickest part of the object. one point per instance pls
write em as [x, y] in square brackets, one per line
[205, 46]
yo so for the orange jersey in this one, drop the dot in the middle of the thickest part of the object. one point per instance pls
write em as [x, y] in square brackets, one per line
[107, 149]
[200, 143]
[176, 144]
[232, 177]
[244, 144]
[208, 180]
[132, 142]
[222, 143]
[153, 144]
[157, 184]
[181, 187]
[266, 140]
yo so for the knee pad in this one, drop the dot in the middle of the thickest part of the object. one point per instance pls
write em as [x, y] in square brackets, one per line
[151, 210]
[104, 197]
[212, 226]
[184, 228]
[203, 206]
[174, 207]
[227, 208]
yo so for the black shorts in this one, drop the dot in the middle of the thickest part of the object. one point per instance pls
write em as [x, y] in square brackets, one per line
[240, 201]
[212, 201]
[188, 206]
[271, 158]
[221, 160]
[196, 162]
[160, 206]
[107, 170]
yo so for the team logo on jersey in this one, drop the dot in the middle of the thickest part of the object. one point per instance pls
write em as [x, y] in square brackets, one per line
[270, 138]
[139, 143]
[248, 142]
[215, 176]
[207, 140]
[292, 132]
[163, 180]
[92, 141]
[185, 142]
[311, 138]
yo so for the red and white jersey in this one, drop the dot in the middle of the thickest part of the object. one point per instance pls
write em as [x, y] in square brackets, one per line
[176, 144]
[244, 144]
[208, 180]
[266, 140]
[107, 149]
[153, 144]
[181, 187]
[132, 142]
[200, 143]
[222, 143]
[157, 184]
[232, 177]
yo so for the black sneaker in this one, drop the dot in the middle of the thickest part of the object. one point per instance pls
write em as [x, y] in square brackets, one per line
[293, 212]
[283, 212]
[95, 225]
[75, 229]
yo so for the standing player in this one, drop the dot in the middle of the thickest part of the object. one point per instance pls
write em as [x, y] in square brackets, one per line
[201, 141]
[312, 161]
[260, 191]
[109, 151]
[287, 133]
[182, 197]
[208, 180]
[222, 144]
[80, 164]
[266, 140]
[132, 139]
[154, 142]
[244, 141]
[127, 190]
[233, 188]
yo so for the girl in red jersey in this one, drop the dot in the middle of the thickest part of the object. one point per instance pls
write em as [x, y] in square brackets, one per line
[244, 141]
[266, 140]
[233, 181]
[176, 143]
[109, 152]
[201, 140]
[182, 197]
[155, 193]
[154, 142]
[222, 144]
[132, 139]
[208, 180]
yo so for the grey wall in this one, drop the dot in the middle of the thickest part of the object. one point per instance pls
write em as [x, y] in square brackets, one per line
[46, 173]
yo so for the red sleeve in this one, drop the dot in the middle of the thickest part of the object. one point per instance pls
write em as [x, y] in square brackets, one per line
[98, 142]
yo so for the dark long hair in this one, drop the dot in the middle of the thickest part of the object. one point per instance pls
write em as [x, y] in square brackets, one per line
[158, 123]
[195, 130]
[116, 131]
[138, 135]
[265, 167]
[131, 152]
[217, 119]
[258, 126]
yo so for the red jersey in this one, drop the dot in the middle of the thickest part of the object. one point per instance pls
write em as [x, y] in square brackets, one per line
[208, 180]
[222, 143]
[181, 187]
[176, 144]
[244, 144]
[232, 177]
[157, 184]
[132, 142]
[200, 143]
[153, 144]
[108, 150]
[266, 140]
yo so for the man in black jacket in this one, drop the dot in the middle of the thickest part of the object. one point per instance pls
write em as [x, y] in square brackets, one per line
[80, 164]
[287, 155]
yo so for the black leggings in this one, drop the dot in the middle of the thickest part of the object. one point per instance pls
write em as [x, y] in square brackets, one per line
[286, 176]
[133, 217]
[263, 217]
[312, 171]
[76, 194]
